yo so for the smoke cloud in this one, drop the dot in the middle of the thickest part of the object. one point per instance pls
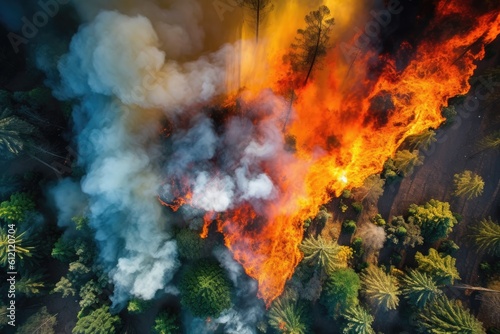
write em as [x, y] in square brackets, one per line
[122, 71]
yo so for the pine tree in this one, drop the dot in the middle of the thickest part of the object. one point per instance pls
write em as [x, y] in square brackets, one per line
[65, 287]
[311, 43]
[30, 285]
[259, 9]
[166, 323]
[435, 219]
[468, 184]
[419, 288]
[23, 248]
[442, 268]
[99, 321]
[205, 290]
[286, 316]
[16, 208]
[444, 316]
[405, 161]
[381, 289]
[358, 321]
[341, 291]
[487, 236]
[41, 322]
[423, 140]
[328, 256]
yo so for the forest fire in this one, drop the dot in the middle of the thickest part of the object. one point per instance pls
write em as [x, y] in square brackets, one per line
[364, 108]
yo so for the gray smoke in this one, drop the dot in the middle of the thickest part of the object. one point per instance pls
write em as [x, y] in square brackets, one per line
[118, 69]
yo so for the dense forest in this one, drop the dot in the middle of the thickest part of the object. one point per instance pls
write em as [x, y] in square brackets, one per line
[92, 241]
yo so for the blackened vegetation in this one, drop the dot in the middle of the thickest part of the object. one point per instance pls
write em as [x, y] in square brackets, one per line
[381, 108]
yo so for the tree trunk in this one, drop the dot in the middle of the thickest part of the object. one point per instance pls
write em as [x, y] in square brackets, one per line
[289, 110]
[315, 53]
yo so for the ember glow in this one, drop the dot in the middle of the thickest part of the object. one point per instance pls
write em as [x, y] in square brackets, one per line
[347, 120]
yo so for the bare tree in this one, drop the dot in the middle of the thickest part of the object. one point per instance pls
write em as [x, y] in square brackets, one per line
[259, 8]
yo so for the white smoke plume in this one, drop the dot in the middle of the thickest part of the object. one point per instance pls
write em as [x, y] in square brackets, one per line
[121, 70]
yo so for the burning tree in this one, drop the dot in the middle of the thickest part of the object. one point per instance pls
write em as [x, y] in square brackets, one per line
[259, 8]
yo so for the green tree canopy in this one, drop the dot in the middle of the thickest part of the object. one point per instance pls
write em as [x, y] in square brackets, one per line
[444, 316]
[423, 140]
[419, 288]
[286, 316]
[340, 291]
[40, 322]
[435, 219]
[166, 323]
[190, 245]
[401, 233]
[405, 161]
[64, 287]
[31, 285]
[358, 320]
[327, 255]
[381, 289]
[205, 289]
[99, 321]
[23, 248]
[442, 268]
[487, 236]
[16, 209]
[137, 305]
[468, 184]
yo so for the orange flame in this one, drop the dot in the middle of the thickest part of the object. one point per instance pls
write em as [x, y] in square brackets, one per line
[347, 122]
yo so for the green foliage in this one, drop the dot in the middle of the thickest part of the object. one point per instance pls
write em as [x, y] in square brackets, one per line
[449, 113]
[423, 140]
[15, 134]
[378, 220]
[491, 141]
[341, 291]
[444, 316]
[487, 236]
[40, 322]
[380, 288]
[357, 206]
[205, 290]
[311, 43]
[358, 321]
[370, 191]
[405, 161]
[349, 226]
[137, 306]
[286, 316]
[166, 323]
[419, 288]
[403, 234]
[35, 98]
[89, 294]
[435, 219]
[328, 256]
[468, 184]
[64, 250]
[23, 248]
[16, 209]
[346, 193]
[31, 285]
[99, 321]
[448, 247]
[441, 267]
[190, 245]
[65, 287]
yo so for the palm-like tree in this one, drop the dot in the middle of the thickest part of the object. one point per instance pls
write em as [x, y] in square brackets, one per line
[423, 140]
[405, 161]
[14, 133]
[487, 236]
[468, 184]
[491, 141]
[381, 289]
[359, 321]
[446, 316]
[31, 285]
[327, 255]
[287, 317]
[419, 288]
[22, 248]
